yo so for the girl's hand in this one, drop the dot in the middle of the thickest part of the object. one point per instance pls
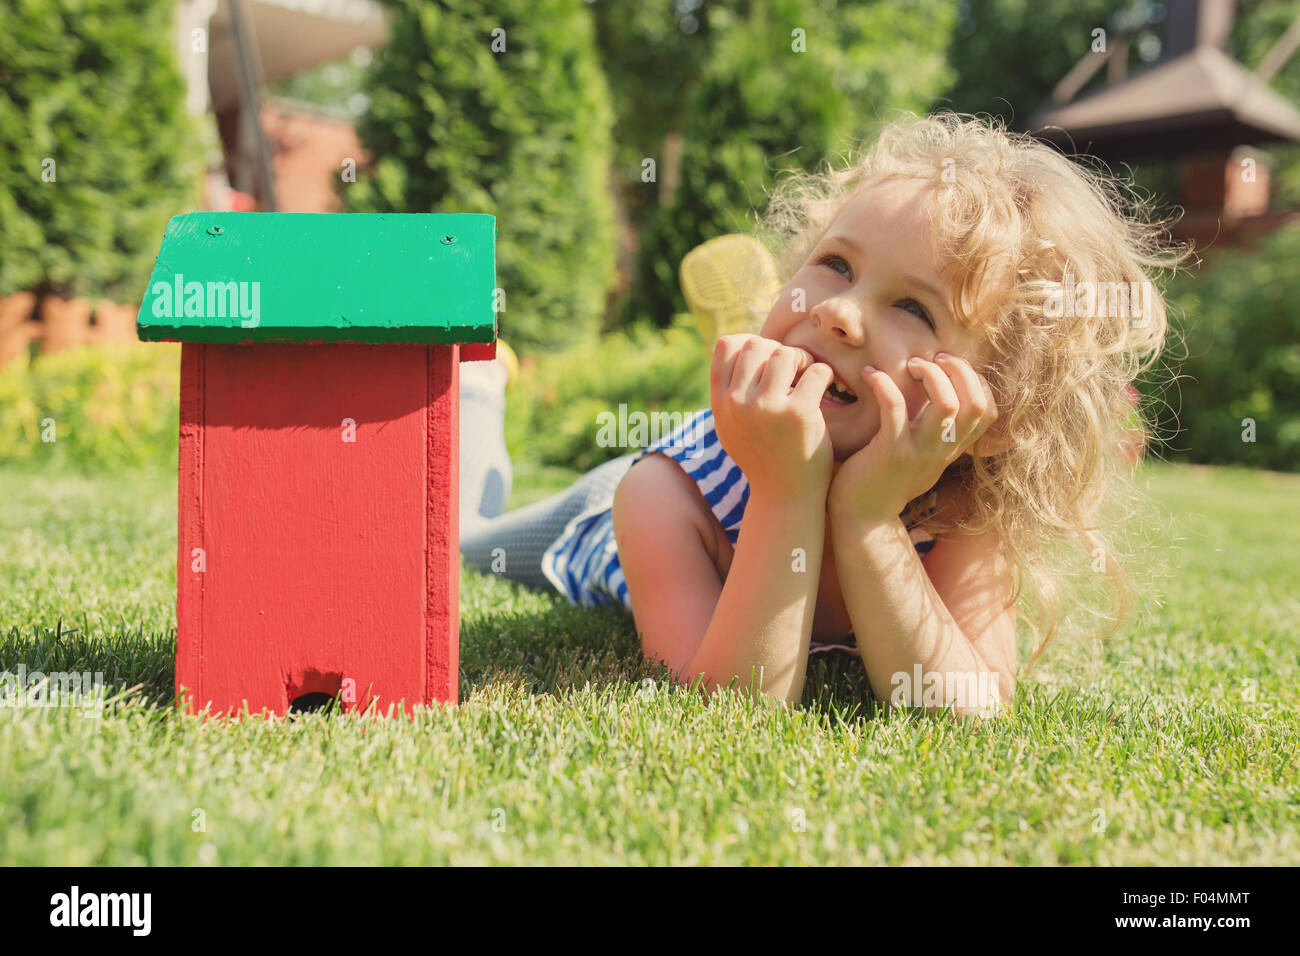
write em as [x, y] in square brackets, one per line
[772, 428]
[906, 458]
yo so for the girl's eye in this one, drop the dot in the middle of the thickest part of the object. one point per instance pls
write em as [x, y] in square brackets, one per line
[919, 312]
[831, 257]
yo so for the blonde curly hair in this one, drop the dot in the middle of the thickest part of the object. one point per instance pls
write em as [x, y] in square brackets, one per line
[1019, 221]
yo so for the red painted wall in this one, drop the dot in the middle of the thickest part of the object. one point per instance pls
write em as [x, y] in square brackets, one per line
[326, 560]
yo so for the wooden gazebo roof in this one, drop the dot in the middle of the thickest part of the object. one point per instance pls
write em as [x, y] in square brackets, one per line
[1195, 99]
[1199, 102]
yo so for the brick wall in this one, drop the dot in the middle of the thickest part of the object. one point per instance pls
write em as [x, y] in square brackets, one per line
[308, 147]
[308, 150]
[54, 324]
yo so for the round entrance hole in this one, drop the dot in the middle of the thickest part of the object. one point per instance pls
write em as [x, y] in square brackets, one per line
[307, 703]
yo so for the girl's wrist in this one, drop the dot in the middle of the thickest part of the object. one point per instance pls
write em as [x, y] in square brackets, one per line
[812, 497]
[853, 508]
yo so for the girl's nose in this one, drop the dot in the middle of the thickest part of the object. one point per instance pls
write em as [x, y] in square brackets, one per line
[839, 318]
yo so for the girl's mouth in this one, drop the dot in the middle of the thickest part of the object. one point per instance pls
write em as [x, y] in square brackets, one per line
[837, 393]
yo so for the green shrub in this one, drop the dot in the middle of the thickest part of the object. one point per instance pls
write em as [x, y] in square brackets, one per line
[553, 408]
[652, 53]
[522, 134]
[103, 406]
[762, 105]
[1241, 321]
[98, 150]
[118, 404]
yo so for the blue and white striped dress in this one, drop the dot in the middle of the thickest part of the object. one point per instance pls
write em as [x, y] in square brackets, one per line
[583, 562]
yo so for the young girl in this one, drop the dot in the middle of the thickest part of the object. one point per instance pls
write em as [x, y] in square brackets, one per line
[934, 401]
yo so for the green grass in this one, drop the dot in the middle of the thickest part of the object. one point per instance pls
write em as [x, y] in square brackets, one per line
[1174, 743]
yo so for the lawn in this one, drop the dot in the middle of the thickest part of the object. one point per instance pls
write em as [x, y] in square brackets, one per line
[1174, 743]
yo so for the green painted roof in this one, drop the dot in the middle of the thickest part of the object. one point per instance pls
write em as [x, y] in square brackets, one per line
[332, 277]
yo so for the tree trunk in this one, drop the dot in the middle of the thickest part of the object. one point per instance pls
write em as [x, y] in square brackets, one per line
[670, 167]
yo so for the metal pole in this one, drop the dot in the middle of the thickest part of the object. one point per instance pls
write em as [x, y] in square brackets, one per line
[249, 69]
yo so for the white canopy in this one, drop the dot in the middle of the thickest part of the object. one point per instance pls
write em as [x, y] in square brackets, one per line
[291, 35]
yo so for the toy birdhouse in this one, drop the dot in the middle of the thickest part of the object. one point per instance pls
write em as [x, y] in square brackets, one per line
[318, 546]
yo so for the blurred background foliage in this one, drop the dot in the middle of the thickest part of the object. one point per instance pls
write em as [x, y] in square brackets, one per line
[521, 132]
[93, 408]
[92, 96]
[1239, 325]
[553, 411]
[552, 137]
[748, 115]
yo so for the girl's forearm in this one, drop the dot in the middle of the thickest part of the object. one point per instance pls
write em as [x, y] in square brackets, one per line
[762, 625]
[913, 650]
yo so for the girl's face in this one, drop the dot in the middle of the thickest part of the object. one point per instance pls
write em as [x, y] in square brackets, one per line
[872, 294]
